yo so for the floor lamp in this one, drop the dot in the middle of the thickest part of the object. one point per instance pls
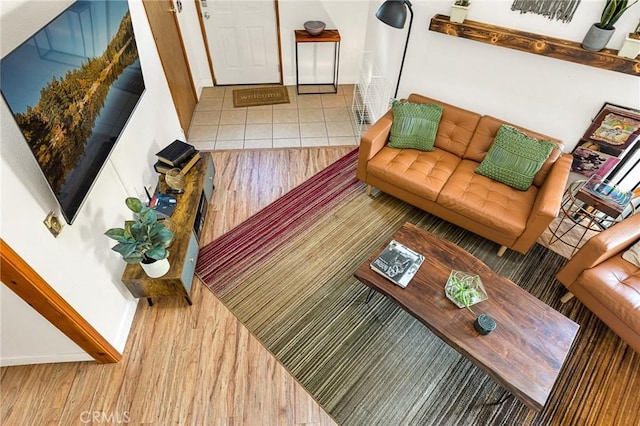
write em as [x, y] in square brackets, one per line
[394, 13]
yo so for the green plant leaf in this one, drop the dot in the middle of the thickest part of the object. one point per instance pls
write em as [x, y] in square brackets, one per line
[125, 249]
[134, 204]
[133, 258]
[612, 11]
[157, 253]
[117, 234]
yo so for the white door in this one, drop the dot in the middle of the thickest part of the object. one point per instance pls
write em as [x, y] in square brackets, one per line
[243, 41]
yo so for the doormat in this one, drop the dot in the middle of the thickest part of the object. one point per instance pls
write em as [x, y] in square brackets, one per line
[260, 96]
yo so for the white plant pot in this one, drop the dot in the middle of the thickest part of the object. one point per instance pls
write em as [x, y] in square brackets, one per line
[630, 48]
[458, 13]
[157, 268]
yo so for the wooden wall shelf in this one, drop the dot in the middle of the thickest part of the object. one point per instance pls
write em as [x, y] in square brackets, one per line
[566, 50]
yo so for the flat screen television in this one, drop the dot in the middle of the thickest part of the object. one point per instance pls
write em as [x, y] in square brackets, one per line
[71, 88]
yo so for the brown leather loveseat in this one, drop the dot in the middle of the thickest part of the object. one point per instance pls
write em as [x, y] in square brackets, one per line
[443, 181]
[606, 283]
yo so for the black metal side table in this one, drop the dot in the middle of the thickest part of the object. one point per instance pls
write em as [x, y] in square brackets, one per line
[584, 212]
[327, 36]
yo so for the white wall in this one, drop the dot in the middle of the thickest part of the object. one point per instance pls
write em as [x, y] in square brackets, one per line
[548, 95]
[316, 59]
[78, 264]
[32, 340]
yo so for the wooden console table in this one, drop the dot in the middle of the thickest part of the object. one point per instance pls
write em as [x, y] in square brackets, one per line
[327, 36]
[188, 217]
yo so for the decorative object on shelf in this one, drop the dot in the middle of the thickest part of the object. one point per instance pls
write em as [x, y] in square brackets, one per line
[143, 240]
[175, 179]
[464, 289]
[631, 47]
[394, 14]
[600, 33]
[484, 324]
[560, 10]
[459, 11]
[314, 28]
[597, 38]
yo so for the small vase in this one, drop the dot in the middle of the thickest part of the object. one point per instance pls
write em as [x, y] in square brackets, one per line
[155, 268]
[458, 13]
[630, 48]
[596, 38]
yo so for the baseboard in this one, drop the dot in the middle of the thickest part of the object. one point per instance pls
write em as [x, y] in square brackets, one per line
[45, 359]
[125, 326]
[206, 82]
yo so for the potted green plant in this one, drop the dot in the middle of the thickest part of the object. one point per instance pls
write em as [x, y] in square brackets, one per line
[631, 46]
[459, 11]
[143, 240]
[600, 33]
[464, 289]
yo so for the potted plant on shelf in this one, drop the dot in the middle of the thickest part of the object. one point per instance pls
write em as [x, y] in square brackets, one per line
[600, 33]
[631, 46]
[459, 11]
[143, 240]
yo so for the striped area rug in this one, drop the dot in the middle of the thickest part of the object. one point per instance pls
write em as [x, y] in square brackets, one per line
[287, 274]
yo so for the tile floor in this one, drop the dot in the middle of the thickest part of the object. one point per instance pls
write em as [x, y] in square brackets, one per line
[308, 120]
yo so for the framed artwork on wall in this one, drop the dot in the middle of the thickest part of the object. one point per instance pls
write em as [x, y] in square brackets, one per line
[613, 131]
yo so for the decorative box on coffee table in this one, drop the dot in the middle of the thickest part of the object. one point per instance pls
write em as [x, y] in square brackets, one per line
[188, 218]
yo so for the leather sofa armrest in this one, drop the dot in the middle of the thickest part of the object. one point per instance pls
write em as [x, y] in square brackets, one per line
[601, 247]
[372, 142]
[547, 204]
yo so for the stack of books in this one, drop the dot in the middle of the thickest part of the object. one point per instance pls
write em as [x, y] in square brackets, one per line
[177, 154]
[398, 263]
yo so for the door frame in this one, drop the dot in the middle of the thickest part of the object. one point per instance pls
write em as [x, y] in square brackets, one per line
[185, 119]
[276, 5]
[25, 282]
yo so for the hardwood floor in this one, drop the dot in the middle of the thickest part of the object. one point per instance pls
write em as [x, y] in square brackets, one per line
[184, 365]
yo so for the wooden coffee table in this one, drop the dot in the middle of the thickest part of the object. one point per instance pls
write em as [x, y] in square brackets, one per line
[524, 354]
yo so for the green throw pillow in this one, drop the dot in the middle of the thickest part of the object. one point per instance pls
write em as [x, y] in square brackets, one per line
[414, 125]
[514, 158]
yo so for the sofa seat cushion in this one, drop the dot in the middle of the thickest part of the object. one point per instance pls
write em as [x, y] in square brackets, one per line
[487, 201]
[421, 173]
[616, 284]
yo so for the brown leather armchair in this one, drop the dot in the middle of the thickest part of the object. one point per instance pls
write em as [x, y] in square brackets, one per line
[606, 283]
